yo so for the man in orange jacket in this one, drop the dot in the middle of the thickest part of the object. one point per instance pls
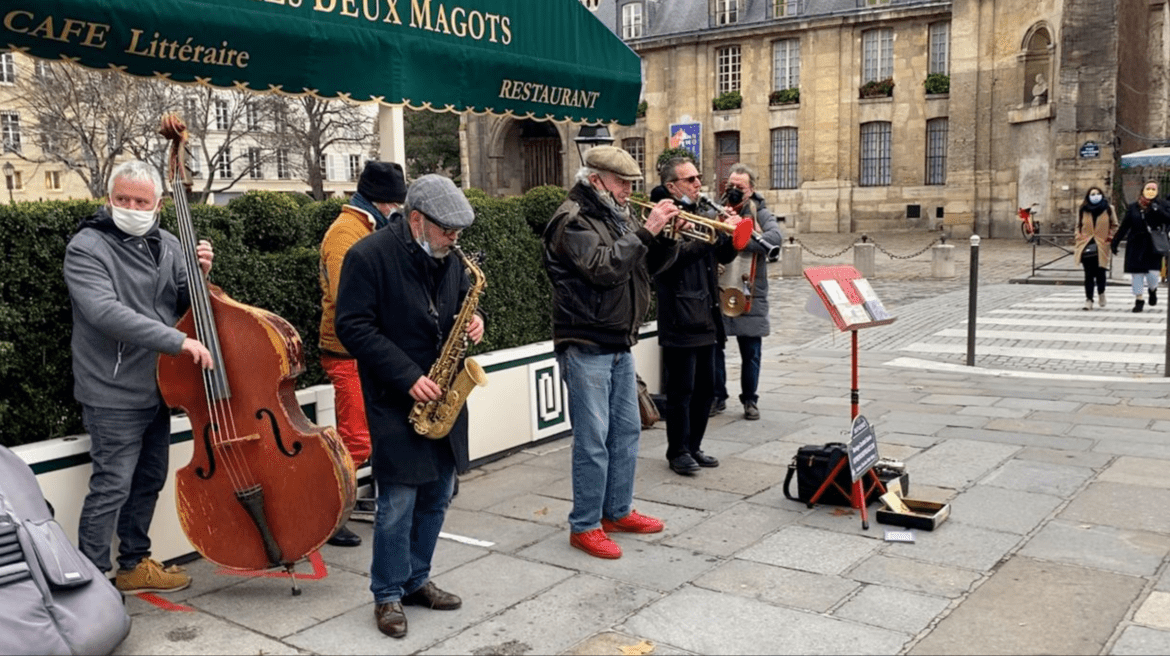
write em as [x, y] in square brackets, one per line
[378, 201]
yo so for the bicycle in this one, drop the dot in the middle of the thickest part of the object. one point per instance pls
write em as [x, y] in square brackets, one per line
[1029, 226]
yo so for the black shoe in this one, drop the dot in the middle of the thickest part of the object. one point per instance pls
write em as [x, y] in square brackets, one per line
[432, 597]
[705, 460]
[684, 464]
[750, 411]
[1138, 305]
[717, 406]
[1153, 296]
[391, 620]
[345, 538]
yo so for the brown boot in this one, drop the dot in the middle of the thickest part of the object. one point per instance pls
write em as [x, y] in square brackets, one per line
[391, 620]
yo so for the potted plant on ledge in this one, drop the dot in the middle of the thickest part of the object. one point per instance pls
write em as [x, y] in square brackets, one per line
[728, 100]
[878, 88]
[784, 97]
[937, 83]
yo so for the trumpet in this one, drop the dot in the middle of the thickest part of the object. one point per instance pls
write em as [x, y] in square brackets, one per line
[701, 228]
[772, 251]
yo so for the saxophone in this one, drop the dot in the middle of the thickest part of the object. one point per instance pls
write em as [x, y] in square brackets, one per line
[434, 419]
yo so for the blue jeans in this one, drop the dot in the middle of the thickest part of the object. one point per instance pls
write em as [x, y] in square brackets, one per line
[130, 451]
[603, 406]
[749, 350]
[406, 529]
[1142, 281]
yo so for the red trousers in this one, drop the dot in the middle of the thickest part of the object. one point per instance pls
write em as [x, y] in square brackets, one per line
[349, 406]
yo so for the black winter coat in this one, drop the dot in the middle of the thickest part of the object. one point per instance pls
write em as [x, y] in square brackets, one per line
[395, 308]
[688, 294]
[1140, 255]
[600, 267]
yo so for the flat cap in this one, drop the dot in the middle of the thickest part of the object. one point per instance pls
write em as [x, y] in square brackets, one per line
[441, 201]
[615, 160]
[382, 182]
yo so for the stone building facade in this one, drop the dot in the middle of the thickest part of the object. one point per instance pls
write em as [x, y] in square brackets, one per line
[1028, 105]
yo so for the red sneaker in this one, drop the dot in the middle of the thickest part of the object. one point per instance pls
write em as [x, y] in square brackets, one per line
[634, 522]
[596, 543]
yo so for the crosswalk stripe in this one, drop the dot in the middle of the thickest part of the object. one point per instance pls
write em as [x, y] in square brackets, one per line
[1100, 324]
[1077, 355]
[1089, 338]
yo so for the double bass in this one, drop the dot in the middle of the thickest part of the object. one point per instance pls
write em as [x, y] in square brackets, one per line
[265, 487]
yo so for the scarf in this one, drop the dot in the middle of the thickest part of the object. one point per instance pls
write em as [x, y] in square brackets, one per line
[1095, 208]
[360, 202]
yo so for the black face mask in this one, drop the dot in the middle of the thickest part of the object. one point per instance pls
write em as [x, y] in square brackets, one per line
[733, 196]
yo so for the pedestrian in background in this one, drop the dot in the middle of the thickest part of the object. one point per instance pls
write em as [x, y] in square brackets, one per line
[751, 327]
[1096, 224]
[1142, 261]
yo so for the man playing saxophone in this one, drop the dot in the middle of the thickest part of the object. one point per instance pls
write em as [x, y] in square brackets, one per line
[399, 301]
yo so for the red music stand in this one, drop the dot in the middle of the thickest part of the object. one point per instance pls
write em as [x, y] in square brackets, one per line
[852, 305]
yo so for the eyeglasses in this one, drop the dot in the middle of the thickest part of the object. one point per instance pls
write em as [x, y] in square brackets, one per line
[691, 180]
[446, 233]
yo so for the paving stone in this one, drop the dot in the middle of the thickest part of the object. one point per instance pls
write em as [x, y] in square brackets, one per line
[1142, 641]
[1137, 471]
[501, 485]
[914, 575]
[962, 545]
[531, 507]
[1122, 505]
[737, 476]
[705, 622]
[894, 609]
[1038, 477]
[551, 622]
[1137, 553]
[1034, 607]
[730, 530]
[1018, 438]
[612, 642]
[647, 564]
[689, 496]
[1155, 611]
[956, 463]
[1071, 458]
[506, 534]
[162, 632]
[1013, 511]
[811, 550]
[777, 585]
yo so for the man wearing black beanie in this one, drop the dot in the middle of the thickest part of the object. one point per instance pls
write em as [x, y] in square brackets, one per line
[380, 192]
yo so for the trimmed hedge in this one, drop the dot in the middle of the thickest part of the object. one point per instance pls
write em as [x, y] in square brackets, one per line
[265, 255]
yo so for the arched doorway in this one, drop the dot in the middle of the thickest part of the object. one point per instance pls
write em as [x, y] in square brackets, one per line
[540, 150]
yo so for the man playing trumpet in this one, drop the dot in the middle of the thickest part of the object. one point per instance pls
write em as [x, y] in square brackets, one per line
[750, 327]
[689, 325]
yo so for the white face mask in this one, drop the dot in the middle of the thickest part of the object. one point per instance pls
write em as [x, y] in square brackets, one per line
[1094, 198]
[132, 222]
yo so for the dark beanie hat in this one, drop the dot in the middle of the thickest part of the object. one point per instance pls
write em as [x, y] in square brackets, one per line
[382, 182]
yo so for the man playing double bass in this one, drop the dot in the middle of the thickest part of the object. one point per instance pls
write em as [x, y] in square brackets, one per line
[128, 286]
[397, 301]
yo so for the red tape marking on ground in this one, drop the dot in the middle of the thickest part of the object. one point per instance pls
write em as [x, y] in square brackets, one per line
[155, 600]
[318, 563]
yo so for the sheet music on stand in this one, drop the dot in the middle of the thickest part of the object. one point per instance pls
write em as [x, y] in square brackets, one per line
[849, 298]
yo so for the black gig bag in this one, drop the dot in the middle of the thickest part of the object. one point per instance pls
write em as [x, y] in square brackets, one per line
[812, 464]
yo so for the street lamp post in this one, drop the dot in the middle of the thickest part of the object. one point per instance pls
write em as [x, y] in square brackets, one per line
[10, 178]
[589, 136]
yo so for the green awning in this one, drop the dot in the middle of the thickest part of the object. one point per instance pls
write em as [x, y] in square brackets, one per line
[544, 59]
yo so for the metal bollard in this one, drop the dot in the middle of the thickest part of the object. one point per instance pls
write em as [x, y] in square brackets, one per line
[942, 261]
[863, 256]
[971, 300]
[790, 265]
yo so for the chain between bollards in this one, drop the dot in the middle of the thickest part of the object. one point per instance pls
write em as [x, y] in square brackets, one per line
[971, 300]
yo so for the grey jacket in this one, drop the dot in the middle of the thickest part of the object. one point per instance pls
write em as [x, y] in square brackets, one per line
[125, 307]
[754, 322]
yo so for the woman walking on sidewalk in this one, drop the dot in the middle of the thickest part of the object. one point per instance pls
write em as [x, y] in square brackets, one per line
[1143, 218]
[1096, 224]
